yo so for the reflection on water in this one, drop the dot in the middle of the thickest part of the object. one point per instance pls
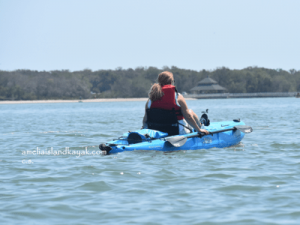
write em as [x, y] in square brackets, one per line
[254, 182]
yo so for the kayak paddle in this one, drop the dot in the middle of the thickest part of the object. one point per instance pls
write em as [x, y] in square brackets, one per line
[179, 141]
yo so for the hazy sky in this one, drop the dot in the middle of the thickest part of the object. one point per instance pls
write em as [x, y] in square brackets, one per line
[190, 34]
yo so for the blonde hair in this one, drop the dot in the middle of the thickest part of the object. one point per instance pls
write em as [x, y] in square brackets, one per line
[156, 92]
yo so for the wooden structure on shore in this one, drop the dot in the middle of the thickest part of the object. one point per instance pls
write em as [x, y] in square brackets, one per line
[206, 86]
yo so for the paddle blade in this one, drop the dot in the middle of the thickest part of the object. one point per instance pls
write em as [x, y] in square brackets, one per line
[176, 141]
[244, 128]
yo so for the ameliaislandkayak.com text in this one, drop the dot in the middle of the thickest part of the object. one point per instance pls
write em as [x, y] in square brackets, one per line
[67, 151]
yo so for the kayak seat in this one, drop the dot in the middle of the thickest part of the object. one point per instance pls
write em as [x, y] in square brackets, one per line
[163, 120]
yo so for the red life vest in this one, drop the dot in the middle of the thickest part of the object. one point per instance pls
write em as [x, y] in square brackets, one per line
[168, 101]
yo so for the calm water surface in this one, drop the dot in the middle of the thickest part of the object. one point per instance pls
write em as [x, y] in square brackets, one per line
[255, 182]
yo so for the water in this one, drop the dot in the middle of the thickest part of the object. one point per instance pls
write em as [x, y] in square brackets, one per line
[255, 182]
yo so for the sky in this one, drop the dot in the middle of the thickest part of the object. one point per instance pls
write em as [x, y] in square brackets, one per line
[192, 34]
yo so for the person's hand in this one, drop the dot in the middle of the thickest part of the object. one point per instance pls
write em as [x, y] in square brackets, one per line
[204, 131]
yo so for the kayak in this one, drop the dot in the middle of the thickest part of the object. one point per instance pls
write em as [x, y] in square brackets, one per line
[222, 134]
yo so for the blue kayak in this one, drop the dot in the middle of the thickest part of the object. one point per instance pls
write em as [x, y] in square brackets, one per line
[222, 134]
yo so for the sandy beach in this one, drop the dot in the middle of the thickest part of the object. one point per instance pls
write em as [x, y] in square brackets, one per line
[84, 100]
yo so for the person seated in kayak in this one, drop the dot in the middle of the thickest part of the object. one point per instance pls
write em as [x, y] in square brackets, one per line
[161, 96]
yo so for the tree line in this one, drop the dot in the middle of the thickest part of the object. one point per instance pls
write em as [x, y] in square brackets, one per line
[127, 83]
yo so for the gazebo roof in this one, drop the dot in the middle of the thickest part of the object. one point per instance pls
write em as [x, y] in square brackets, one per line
[213, 87]
[208, 84]
[207, 80]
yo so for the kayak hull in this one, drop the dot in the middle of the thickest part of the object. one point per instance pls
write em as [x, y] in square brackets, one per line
[219, 140]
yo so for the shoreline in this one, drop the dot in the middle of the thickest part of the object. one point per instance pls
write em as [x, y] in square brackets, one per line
[83, 100]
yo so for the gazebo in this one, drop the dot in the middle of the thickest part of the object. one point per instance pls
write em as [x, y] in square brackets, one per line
[208, 85]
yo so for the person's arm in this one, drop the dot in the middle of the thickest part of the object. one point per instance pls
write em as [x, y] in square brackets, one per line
[188, 116]
[145, 116]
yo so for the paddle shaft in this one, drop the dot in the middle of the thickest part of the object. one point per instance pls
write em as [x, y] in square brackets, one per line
[213, 132]
[178, 142]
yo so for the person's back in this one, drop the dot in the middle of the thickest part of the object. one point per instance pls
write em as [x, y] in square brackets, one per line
[164, 113]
